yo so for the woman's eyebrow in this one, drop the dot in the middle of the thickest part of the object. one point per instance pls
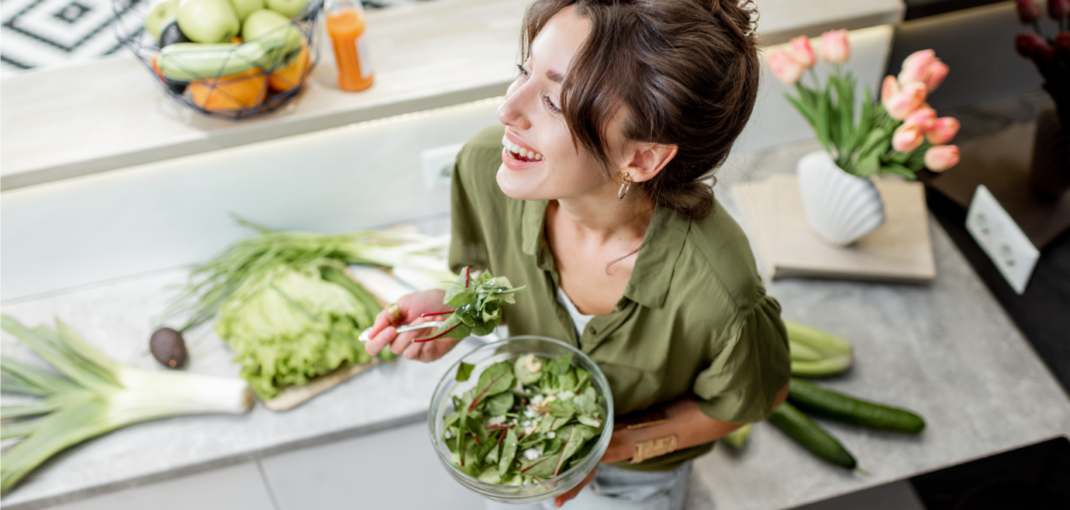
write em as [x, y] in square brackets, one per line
[555, 76]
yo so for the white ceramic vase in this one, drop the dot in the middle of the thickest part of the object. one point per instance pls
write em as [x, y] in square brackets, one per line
[840, 207]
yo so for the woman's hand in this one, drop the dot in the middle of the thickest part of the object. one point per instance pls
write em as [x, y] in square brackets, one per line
[619, 449]
[413, 307]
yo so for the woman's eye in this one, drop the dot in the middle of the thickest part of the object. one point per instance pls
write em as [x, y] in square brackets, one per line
[550, 104]
[523, 72]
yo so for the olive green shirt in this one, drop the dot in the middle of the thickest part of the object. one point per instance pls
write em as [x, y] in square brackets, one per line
[694, 320]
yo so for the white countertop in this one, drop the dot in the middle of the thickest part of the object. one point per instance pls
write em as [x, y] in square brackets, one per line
[92, 117]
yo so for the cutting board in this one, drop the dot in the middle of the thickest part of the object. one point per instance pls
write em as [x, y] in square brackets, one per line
[898, 251]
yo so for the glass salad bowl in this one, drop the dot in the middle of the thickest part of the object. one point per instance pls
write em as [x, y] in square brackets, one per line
[508, 350]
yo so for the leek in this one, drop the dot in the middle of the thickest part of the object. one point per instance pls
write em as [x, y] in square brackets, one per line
[92, 395]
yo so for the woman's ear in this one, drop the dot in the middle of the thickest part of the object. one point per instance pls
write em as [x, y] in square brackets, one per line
[646, 160]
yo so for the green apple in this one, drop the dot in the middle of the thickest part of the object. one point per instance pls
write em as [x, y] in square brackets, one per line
[159, 16]
[267, 25]
[244, 7]
[288, 8]
[208, 21]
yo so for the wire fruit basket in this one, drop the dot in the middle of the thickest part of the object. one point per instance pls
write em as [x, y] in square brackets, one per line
[236, 78]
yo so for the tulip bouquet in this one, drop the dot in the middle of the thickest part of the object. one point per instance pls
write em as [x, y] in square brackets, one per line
[1050, 55]
[900, 135]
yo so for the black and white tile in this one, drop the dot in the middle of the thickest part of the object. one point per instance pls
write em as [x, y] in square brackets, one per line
[46, 32]
[38, 33]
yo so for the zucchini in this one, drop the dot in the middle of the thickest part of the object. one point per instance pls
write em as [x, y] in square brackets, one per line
[196, 61]
[816, 353]
[838, 406]
[804, 431]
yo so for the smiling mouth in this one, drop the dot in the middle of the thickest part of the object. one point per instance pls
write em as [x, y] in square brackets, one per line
[519, 153]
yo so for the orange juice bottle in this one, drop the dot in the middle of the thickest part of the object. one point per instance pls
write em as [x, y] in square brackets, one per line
[345, 24]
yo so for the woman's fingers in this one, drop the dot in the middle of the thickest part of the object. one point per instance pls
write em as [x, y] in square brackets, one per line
[404, 341]
[380, 340]
[562, 499]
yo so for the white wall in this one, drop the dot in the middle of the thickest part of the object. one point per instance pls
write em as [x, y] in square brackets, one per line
[174, 213]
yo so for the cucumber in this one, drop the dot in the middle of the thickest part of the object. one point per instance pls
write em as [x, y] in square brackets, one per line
[196, 61]
[838, 406]
[815, 352]
[805, 432]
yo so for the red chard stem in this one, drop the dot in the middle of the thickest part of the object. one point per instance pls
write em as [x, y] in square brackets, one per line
[533, 465]
[485, 390]
[440, 335]
[432, 314]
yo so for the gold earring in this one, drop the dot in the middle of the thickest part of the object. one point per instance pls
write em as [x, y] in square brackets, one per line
[624, 187]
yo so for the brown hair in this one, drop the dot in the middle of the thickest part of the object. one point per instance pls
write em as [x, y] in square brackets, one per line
[686, 69]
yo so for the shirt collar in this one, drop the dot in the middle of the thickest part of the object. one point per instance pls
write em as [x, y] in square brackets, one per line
[654, 265]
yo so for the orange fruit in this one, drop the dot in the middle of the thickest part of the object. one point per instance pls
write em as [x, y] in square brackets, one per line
[293, 75]
[234, 92]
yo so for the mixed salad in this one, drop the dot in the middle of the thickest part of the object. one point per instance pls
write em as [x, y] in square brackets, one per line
[524, 421]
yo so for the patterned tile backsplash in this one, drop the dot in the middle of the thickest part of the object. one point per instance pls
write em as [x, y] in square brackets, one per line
[40, 33]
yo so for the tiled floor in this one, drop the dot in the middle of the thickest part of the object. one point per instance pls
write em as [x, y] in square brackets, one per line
[385, 471]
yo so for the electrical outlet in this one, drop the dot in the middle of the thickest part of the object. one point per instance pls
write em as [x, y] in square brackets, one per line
[1001, 238]
[438, 165]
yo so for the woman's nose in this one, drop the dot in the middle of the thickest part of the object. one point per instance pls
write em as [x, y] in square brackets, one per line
[510, 113]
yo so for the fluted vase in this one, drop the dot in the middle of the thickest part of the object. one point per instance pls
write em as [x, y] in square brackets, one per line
[840, 208]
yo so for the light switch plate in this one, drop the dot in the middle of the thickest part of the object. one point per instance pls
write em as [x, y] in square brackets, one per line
[438, 165]
[1001, 238]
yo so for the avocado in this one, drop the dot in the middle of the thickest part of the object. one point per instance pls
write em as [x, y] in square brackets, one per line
[171, 34]
[168, 348]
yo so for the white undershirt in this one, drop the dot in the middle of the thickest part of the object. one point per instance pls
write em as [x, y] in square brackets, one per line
[579, 320]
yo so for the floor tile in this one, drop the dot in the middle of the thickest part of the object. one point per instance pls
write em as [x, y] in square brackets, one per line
[238, 487]
[396, 469]
[892, 496]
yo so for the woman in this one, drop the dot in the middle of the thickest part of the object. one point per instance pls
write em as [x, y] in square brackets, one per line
[600, 203]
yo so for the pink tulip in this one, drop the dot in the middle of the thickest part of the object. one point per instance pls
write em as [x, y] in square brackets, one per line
[834, 46]
[907, 138]
[936, 74]
[889, 88]
[800, 49]
[943, 130]
[923, 67]
[784, 67]
[941, 157]
[915, 64]
[905, 101]
[923, 118]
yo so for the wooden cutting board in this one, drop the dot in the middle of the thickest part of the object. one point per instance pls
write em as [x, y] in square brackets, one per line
[296, 395]
[898, 251]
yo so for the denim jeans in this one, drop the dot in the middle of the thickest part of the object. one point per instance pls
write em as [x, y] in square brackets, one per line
[616, 488]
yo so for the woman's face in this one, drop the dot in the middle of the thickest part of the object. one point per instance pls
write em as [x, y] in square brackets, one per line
[539, 160]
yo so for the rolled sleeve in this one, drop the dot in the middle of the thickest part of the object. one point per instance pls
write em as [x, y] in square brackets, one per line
[744, 378]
